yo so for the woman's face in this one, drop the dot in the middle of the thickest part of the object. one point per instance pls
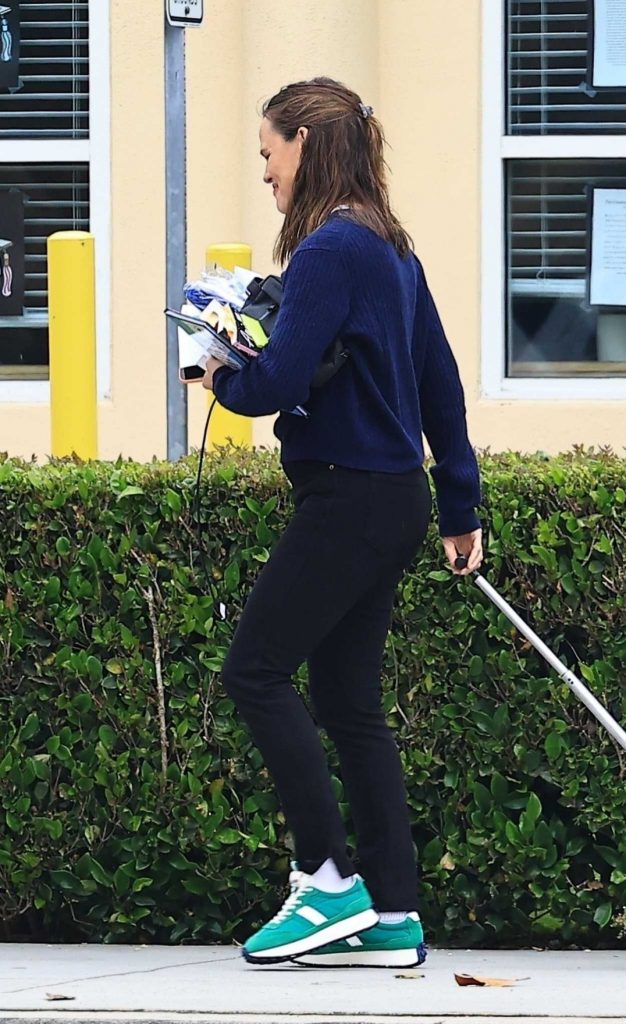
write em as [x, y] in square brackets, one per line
[282, 159]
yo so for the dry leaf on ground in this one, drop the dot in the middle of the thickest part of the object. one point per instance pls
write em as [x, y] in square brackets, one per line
[409, 976]
[474, 979]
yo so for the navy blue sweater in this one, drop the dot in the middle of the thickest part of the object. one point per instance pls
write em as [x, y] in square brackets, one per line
[400, 380]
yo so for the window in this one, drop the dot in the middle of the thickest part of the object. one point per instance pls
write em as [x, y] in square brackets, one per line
[52, 100]
[53, 151]
[549, 78]
[552, 331]
[550, 136]
[55, 198]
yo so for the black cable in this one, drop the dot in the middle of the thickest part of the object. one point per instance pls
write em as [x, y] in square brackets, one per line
[199, 476]
[221, 608]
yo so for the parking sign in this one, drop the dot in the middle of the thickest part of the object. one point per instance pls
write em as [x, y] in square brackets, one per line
[182, 13]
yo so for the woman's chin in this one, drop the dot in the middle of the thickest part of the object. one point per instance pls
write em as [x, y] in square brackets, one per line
[282, 204]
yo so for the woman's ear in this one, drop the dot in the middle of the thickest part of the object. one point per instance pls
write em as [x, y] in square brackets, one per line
[302, 133]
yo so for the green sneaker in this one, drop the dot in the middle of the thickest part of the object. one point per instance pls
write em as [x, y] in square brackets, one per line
[310, 918]
[385, 945]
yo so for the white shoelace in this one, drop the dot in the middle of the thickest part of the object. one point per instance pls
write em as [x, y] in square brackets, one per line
[300, 884]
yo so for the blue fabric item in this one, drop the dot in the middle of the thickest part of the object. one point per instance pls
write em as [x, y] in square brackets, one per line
[198, 298]
[401, 378]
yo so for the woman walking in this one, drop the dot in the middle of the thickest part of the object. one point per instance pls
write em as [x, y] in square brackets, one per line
[362, 508]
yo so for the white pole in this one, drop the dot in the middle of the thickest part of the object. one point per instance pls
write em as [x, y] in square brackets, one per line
[574, 683]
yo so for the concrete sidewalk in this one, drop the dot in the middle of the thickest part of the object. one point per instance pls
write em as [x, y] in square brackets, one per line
[213, 983]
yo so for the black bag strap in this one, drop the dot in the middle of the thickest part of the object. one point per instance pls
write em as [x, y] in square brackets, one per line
[333, 359]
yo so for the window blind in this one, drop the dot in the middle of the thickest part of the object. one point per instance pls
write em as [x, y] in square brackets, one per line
[547, 60]
[56, 198]
[53, 98]
[548, 222]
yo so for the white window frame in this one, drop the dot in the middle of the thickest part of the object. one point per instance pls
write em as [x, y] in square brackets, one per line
[95, 151]
[496, 149]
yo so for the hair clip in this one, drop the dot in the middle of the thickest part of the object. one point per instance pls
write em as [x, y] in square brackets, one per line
[366, 111]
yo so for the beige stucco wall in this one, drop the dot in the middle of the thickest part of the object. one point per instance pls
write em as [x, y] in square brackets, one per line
[418, 63]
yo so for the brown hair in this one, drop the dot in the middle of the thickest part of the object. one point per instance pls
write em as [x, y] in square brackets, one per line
[342, 161]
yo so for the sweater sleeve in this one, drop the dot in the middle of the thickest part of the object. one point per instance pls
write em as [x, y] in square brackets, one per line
[442, 404]
[315, 304]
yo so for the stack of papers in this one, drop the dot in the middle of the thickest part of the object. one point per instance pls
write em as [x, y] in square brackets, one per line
[223, 285]
[210, 324]
[216, 331]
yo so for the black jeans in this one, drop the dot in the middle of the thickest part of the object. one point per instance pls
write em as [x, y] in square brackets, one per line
[326, 596]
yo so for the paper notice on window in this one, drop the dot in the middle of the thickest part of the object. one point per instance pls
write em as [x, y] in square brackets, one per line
[607, 284]
[609, 44]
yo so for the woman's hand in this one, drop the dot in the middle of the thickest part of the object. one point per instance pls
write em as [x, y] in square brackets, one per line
[468, 544]
[212, 364]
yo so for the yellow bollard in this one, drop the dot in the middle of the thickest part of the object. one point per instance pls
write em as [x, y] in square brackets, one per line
[229, 255]
[224, 424]
[72, 331]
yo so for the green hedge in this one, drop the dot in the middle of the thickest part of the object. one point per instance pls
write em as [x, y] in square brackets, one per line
[133, 806]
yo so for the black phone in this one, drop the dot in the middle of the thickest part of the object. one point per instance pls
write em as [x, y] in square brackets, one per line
[190, 374]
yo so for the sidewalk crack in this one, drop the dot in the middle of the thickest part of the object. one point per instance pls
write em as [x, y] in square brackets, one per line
[120, 974]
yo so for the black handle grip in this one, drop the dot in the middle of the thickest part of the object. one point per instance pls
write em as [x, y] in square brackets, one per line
[460, 562]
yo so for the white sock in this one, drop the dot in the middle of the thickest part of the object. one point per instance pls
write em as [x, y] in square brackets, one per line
[393, 916]
[328, 879]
